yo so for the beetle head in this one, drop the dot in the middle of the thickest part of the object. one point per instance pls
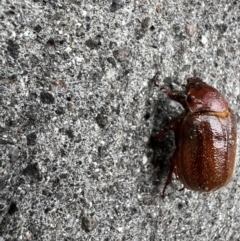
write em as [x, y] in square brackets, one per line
[202, 97]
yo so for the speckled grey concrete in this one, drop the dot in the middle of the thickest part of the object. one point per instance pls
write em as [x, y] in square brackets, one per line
[78, 109]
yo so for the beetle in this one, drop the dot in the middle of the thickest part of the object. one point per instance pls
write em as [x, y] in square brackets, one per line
[205, 137]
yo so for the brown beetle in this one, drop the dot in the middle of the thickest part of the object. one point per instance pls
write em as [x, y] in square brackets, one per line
[205, 136]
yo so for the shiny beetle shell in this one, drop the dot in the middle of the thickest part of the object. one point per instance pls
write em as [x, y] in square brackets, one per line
[205, 136]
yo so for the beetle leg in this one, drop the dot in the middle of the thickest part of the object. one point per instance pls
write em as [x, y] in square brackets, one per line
[154, 79]
[173, 169]
[181, 189]
[169, 178]
[173, 125]
[168, 92]
[176, 96]
[170, 126]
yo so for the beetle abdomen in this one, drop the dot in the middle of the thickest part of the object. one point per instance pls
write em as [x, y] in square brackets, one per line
[204, 163]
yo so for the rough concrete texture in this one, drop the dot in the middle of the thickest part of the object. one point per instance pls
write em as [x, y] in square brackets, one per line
[78, 109]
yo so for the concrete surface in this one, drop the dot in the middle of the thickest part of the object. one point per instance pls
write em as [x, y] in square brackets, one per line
[78, 109]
